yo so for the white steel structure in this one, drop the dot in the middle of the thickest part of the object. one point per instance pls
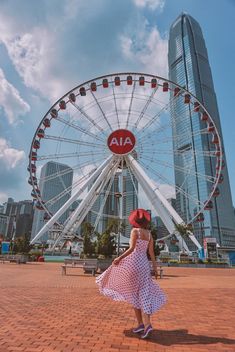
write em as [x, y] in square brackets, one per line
[117, 122]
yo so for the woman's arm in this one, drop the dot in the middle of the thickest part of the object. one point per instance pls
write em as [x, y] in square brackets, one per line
[130, 249]
[152, 256]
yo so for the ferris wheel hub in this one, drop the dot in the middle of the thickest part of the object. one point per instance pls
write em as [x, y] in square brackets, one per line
[121, 142]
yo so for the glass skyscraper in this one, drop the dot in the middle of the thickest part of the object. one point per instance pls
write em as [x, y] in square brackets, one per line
[189, 67]
[114, 204]
[54, 179]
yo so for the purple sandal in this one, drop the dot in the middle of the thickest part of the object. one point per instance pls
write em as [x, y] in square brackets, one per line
[146, 332]
[139, 328]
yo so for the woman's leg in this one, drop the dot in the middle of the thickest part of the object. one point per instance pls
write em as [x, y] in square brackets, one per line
[146, 319]
[138, 315]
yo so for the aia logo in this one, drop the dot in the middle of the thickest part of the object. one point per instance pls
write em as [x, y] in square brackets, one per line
[121, 142]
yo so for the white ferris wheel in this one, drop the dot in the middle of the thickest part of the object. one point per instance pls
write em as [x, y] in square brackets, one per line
[125, 121]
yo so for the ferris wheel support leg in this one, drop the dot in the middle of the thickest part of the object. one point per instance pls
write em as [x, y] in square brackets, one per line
[103, 203]
[86, 204]
[167, 213]
[70, 201]
[60, 237]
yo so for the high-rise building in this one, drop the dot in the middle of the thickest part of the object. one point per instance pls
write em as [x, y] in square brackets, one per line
[19, 218]
[55, 178]
[3, 225]
[120, 201]
[189, 67]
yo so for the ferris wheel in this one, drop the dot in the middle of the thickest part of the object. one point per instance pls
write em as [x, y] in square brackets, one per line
[141, 123]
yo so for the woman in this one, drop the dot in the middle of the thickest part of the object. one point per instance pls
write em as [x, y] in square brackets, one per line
[129, 277]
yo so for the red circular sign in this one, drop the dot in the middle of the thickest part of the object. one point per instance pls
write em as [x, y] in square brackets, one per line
[121, 142]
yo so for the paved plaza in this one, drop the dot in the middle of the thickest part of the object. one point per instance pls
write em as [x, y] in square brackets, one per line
[43, 311]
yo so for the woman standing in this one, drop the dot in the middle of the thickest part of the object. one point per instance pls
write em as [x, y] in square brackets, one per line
[129, 277]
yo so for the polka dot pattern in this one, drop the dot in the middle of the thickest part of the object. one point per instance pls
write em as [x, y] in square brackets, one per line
[131, 281]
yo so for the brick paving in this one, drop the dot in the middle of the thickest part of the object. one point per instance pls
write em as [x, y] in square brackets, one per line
[43, 311]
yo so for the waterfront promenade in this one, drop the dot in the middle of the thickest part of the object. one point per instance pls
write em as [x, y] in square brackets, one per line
[43, 311]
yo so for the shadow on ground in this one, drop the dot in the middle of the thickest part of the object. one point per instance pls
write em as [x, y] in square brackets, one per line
[181, 337]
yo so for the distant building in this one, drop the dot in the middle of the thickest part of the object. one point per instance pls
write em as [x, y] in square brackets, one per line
[55, 178]
[189, 67]
[3, 225]
[118, 204]
[161, 228]
[17, 218]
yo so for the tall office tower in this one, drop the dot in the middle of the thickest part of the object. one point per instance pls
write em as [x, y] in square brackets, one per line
[189, 67]
[54, 179]
[130, 199]
[20, 218]
[118, 203]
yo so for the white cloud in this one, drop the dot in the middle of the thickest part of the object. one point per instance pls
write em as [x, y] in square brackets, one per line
[168, 191]
[151, 4]
[3, 197]
[32, 55]
[33, 52]
[11, 101]
[146, 48]
[10, 157]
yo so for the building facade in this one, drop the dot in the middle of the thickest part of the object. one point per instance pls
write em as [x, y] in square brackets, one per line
[121, 200]
[17, 219]
[3, 225]
[189, 67]
[55, 178]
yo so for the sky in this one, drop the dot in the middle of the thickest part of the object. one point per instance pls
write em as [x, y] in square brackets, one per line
[47, 47]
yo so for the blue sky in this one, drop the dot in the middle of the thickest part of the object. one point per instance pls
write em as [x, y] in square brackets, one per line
[47, 47]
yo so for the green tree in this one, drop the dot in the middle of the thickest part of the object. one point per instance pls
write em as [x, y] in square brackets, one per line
[153, 230]
[112, 226]
[21, 245]
[106, 244]
[183, 229]
[87, 233]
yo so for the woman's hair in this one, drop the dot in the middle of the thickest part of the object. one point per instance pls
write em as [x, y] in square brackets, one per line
[143, 223]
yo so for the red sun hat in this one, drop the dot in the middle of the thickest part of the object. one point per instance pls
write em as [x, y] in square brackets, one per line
[139, 218]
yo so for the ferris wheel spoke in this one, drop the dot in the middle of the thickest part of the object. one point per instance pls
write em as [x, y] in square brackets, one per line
[92, 121]
[73, 141]
[83, 208]
[146, 150]
[177, 137]
[160, 127]
[130, 105]
[107, 192]
[156, 117]
[86, 132]
[115, 104]
[74, 197]
[79, 167]
[69, 155]
[101, 110]
[132, 181]
[166, 181]
[69, 189]
[75, 184]
[184, 170]
[145, 107]
[168, 139]
[173, 138]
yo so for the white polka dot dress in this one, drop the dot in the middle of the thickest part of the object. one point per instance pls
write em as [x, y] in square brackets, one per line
[131, 281]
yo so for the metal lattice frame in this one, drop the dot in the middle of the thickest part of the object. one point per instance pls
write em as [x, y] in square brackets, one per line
[100, 114]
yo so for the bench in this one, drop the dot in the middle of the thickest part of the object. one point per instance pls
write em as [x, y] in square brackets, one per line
[2, 259]
[13, 258]
[88, 265]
